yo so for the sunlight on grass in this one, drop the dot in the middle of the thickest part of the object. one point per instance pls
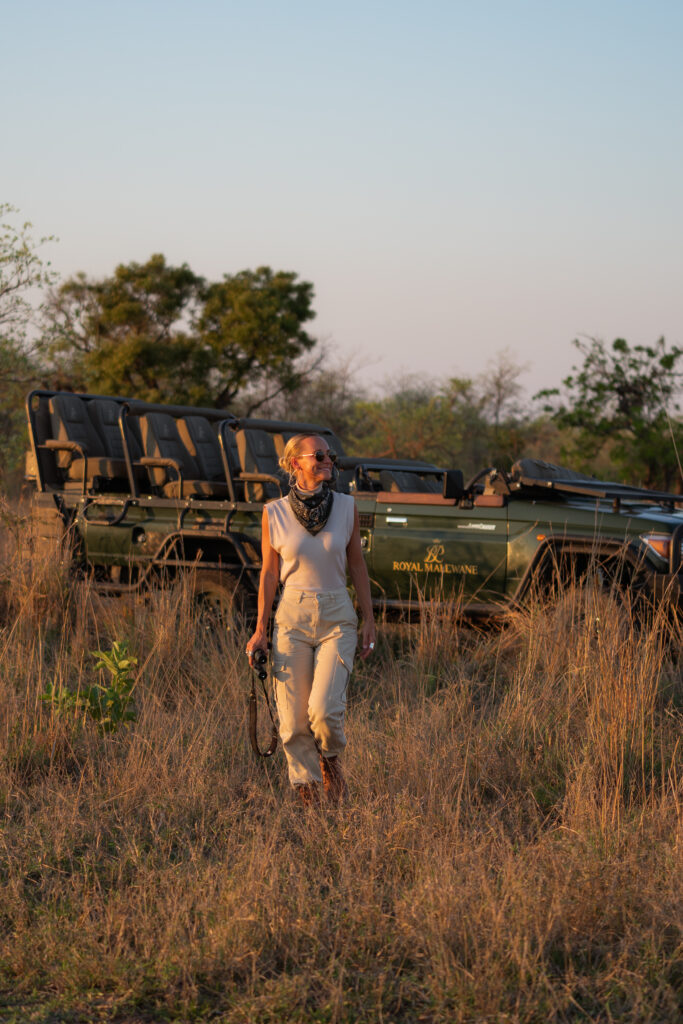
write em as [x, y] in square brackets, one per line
[511, 851]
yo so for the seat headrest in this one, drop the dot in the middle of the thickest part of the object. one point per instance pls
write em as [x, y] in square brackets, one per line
[69, 407]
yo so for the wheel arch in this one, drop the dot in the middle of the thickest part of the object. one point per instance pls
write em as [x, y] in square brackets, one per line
[236, 556]
[555, 555]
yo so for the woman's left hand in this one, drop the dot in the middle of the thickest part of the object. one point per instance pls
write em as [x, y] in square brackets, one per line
[368, 639]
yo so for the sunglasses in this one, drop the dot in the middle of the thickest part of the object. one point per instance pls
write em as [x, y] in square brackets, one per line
[320, 455]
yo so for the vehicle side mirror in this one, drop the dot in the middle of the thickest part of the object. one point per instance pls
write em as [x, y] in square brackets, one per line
[453, 484]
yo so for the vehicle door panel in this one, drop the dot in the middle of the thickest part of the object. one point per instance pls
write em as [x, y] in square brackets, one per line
[439, 550]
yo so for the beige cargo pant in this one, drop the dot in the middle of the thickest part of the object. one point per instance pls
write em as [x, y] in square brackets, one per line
[314, 641]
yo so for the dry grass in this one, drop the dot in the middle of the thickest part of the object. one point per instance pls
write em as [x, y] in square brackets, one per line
[512, 851]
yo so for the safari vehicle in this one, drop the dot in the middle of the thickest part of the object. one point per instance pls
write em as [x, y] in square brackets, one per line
[501, 535]
[140, 494]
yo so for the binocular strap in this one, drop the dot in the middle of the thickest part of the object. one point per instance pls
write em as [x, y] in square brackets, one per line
[253, 719]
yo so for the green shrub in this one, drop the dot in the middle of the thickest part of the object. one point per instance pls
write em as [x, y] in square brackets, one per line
[108, 705]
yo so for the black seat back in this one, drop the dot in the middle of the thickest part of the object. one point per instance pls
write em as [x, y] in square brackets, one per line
[41, 427]
[453, 485]
[104, 414]
[202, 444]
[258, 454]
[160, 439]
[70, 422]
[42, 420]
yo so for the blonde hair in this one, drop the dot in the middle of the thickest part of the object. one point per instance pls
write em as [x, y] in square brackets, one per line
[293, 448]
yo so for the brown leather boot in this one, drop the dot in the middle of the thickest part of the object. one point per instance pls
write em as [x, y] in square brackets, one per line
[308, 794]
[334, 784]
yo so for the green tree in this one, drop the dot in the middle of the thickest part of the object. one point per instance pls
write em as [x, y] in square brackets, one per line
[18, 373]
[623, 400]
[126, 333]
[23, 273]
[251, 329]
[162, 333]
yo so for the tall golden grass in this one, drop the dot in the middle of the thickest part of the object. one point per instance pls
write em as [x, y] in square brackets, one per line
[511, 852]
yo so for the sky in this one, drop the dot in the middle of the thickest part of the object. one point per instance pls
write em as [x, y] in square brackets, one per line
[455, 178]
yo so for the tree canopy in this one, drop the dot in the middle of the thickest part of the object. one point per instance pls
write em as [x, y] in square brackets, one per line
[624, 399]
[22, 271]
[163, 333]
[23, 274]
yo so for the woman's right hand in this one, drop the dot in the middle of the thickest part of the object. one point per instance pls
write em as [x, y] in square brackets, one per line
[257, 641]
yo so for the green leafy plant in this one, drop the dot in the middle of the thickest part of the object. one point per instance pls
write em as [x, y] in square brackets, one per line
[625, 400]
[110, 705]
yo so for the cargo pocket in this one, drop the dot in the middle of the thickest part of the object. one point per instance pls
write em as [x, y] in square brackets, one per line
[343, 673]
[279, 662]
[347, 644]
[279, 681]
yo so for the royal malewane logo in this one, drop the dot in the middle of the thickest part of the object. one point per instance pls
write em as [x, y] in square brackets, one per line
[434, 554]
[433, 563]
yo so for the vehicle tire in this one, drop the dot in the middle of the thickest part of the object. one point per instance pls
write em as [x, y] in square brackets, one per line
[596, 581]
[219, 601]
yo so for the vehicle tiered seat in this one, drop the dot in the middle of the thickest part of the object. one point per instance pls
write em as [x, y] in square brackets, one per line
[247, 485]
[203, 445]
[198, 436]
[172, 468]
[41, 462]
[41, 419]
[258, 457]
[104, 415]
[80, 451]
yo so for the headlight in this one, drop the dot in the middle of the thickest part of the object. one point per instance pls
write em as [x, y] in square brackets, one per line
[659, 544]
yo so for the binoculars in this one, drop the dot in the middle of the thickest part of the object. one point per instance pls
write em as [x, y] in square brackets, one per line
[260, 660]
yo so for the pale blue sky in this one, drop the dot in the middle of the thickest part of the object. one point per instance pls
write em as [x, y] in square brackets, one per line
[454, 178]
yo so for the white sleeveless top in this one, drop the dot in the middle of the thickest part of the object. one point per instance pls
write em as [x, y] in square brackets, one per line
[310, 561]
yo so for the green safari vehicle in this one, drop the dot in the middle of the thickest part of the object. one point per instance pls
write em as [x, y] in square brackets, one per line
[139, 494]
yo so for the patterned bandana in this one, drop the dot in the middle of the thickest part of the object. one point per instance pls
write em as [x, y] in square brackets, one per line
[314, 511]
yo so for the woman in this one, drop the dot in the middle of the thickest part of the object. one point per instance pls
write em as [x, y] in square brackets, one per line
[309, 538]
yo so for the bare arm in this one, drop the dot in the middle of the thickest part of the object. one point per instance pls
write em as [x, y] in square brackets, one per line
[270, 575]
[361, 583]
